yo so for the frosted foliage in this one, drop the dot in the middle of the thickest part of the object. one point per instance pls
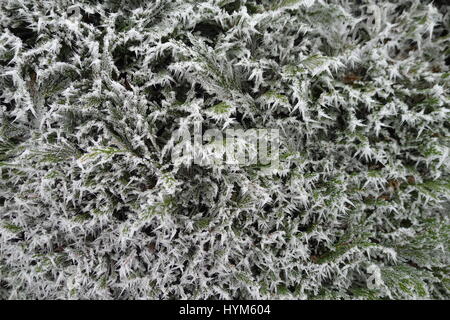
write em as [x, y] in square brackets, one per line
[92, 207]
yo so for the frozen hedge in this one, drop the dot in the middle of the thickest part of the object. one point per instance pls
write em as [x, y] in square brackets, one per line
[93, 207]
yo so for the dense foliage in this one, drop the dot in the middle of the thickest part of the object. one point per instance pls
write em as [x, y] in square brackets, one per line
[92, 207]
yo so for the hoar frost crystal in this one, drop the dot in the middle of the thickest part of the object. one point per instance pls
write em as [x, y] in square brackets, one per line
[94, 206]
